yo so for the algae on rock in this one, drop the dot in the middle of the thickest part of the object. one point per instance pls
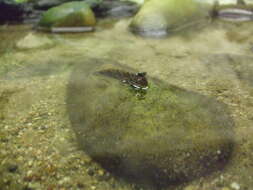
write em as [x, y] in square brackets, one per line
[72, 14]
[170, 136]
[159, 18]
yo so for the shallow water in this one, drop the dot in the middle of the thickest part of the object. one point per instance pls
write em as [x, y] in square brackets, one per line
[38, 147]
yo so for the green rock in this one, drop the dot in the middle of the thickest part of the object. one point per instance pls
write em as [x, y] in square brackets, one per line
[165, 136]
[72, 14]
[159, 18]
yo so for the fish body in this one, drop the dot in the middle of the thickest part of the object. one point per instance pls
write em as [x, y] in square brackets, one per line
[135, 80]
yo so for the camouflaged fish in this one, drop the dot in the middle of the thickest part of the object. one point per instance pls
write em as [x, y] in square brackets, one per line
[239, 12]
[136, 80]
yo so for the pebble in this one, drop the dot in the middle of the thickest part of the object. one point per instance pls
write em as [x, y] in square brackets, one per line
[13, 168]
[225, 188]
[190, 187]
[20, 158]
[29, 172]
[64, 180]
[34, 186]
[101, 172]
[30, 163]
[91, 172]
[80, 185]
[235, 186]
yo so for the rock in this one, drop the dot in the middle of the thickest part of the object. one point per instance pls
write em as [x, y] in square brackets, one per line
[165, 135]
[32, 41]
[47, 4]
[237, 12]
[235, 186]
[13, 168]
[31, 15]
[159, 18]
[225, 2]
[225, 188]
[116, 9]
[190, 187]
[68, 17]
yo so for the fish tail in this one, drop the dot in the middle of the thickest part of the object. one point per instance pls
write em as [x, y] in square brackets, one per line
[117, 74]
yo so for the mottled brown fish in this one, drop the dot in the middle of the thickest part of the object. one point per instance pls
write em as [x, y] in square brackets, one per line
[135, 80]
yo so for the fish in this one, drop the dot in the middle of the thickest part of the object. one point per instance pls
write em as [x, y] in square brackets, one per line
[136, 80]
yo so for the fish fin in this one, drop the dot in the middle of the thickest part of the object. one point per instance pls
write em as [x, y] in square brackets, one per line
[240, 2]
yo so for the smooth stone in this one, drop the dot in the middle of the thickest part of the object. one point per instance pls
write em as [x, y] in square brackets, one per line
[225, 2]
[239, 11]
[160, 18]
[167, 137]
[72, 14]
[116, 9]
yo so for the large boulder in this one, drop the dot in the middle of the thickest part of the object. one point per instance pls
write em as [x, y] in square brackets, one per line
[69, 17]
[159, 18]
[155, 137]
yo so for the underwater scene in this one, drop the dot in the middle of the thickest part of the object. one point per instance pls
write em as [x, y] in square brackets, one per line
[126, 95]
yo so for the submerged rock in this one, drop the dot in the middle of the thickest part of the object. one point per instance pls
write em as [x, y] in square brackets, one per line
[68, 17]
[32, 41]
[159, 18]
[116, 9]
[170, 136]
[237, 12]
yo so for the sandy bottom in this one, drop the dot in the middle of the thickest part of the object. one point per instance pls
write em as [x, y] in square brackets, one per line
[38, 149]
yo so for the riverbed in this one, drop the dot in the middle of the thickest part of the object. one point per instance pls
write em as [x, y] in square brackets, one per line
[38, 148]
